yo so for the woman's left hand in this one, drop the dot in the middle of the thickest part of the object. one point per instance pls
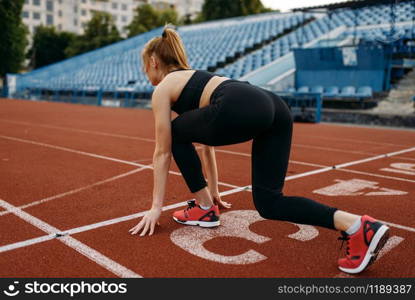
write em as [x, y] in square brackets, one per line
[148, 222]
[217, 200]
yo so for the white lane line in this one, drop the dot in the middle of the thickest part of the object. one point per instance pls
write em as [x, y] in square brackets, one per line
[313, 172]
[73, 243]
[137, 215]
[80, 130]
[249, 155]
[352, 140]
[232, 152]
[400, 171]
[140, 214]
[390, 154]
[71, 192]
[325, 169]
[150, 167]
[307, 164]
[99, 258]
[218, 150]
[97, 225]
[142, 167]
[407, 228]
[141, 160]
[119, 220]
[404, 158]
[334, 149]
[144, 139]
[73, 151]
[26, 243]
[152, 140]
[348, 164]
[38, 202]
[377, 175]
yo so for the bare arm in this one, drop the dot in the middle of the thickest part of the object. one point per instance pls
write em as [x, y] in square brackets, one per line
[209, 163]
[162, 152]
[210, 166]
[161, 159]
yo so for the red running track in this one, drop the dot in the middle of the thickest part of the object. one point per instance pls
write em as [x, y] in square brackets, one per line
[83, 172]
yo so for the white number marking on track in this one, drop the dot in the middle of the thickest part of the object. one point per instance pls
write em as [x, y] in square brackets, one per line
[403, 168]
[233, 224]
[357, 187]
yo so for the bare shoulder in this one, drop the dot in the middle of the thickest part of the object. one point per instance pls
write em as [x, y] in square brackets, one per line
[174, 82]
[162, 90]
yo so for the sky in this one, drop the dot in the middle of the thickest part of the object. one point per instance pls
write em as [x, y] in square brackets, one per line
[285, 5]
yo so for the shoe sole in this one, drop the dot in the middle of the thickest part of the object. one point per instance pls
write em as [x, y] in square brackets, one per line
[378, 242]
[198, 223]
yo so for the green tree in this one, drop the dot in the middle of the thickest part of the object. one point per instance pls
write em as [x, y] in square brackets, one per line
[48, 46]
[99, 32]
[168, 16]
[251, 7]
[13, 37]
[220, 9]
[199, 18]
[147, 18]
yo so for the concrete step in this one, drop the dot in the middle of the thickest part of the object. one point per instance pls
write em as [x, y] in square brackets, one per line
[402, 93]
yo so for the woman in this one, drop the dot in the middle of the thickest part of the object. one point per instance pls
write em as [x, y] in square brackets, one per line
[215, 110]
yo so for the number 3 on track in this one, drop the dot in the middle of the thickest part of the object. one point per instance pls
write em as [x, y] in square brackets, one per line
[233, 224]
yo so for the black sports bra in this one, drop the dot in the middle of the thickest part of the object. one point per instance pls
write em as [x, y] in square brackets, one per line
[189, 98]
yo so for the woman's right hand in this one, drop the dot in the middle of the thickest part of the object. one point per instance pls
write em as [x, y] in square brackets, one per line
[148, 222]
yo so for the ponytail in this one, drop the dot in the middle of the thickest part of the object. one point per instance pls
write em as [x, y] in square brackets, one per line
[168, 48]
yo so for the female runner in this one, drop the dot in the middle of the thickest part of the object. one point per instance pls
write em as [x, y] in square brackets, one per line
[213, 111]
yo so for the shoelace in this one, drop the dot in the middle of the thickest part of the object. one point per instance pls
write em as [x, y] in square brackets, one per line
[343, 238]
[190, 205]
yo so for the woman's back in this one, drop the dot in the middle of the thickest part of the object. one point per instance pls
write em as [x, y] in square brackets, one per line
[192, 88]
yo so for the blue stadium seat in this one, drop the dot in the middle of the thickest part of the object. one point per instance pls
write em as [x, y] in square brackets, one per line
[303, 89]
[317, 89]
[348, 91]
[364, 92]
[210, 44]
[332, 91]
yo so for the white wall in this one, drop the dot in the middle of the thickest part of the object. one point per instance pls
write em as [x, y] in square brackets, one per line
[70, 15]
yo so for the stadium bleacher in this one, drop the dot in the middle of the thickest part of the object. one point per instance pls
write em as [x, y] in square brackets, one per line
[118, 66]
[334, 91]
[232, 47]
[366, 16]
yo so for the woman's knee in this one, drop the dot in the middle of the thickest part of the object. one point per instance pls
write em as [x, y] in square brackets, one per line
[181, 151]
[269, 204]
[263, 211]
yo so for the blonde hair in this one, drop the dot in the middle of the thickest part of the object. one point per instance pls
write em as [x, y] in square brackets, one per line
[168, 48]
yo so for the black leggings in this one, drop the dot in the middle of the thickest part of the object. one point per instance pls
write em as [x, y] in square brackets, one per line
[239, 112]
